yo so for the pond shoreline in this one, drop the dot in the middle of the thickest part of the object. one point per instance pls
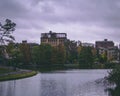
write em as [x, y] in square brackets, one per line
[18, 74]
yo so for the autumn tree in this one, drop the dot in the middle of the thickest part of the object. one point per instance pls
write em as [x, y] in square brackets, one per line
[26, 51]
[61, 54]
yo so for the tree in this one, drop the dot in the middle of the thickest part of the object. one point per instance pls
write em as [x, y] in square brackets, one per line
[15, 55]
[36, 55]
[61, 54]
[58, 55]
[86, 57]
[114, 76]
[6, 36]
[26, 51]
[17, 58]
[42, 54]
[45, 54]
[71, 51]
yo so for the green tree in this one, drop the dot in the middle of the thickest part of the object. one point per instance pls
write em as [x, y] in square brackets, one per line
[71, 51]
[45, 54]
[15, 55]
[114, 76]
[36, 55]
[58, 55]
[17, 58]
[86, 57]
[6, 36]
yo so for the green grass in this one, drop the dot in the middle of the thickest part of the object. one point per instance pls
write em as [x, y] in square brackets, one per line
[18, 76]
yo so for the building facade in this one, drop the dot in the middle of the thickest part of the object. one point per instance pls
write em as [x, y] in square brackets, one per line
[107, 48]
[104, 44]
[111, 53]
[87, 45]
[52, 38]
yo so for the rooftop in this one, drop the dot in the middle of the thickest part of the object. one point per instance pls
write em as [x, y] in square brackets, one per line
[53, 35]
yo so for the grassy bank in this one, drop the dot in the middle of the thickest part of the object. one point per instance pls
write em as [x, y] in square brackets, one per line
[7, 74]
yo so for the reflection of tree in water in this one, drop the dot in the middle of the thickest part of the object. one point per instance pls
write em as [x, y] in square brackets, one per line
[114, 91]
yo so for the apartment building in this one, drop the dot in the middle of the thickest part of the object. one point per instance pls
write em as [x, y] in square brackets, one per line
[107, 47]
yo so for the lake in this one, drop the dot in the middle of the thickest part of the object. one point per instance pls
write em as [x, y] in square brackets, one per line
[58, 83]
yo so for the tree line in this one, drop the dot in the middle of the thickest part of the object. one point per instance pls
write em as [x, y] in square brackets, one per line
[23, 54]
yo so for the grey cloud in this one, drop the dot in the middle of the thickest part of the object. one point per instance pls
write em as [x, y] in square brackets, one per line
[99, 12]
[41, 14]
[11, 9]
[89, 10]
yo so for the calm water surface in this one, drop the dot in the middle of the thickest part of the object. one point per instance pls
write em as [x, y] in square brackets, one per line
[59, 83]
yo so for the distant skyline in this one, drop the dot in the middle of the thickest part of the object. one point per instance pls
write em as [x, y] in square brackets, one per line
[84, 20]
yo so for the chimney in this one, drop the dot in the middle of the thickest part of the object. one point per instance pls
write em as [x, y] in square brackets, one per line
[105, 40]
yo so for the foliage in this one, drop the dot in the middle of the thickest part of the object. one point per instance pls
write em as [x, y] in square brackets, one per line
[46, 55]
[26, 52]
[114, 76]
[71, 51]
[35, 54]
[114, 91]
[6, 30]
[86, 57]
[41, 55]
[6, 37]
[15, 55]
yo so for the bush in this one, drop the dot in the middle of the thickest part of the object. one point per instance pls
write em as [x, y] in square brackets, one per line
[114, 76]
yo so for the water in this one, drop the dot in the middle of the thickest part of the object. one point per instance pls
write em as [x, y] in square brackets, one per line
[59, 83]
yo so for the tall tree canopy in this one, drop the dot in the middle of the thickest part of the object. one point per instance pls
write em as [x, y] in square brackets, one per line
[6, 34]
[6, 30]
[86, 57]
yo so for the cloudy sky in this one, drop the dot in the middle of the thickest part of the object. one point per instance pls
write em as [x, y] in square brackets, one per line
[84, 20]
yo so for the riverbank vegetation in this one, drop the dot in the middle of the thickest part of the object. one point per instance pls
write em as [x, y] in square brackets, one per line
[8, 74]
[32, 56]
[114, 79]
[114, 76]
[45, 57]
[39, 56]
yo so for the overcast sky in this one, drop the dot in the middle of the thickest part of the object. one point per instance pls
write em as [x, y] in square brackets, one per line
[84, 20]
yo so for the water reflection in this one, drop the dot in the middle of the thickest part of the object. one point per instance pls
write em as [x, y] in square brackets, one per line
[53, 88]
[75, 83]
[7, 89]
[67, 83]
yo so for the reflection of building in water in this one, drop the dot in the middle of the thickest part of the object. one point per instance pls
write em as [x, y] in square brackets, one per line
[52, 38]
